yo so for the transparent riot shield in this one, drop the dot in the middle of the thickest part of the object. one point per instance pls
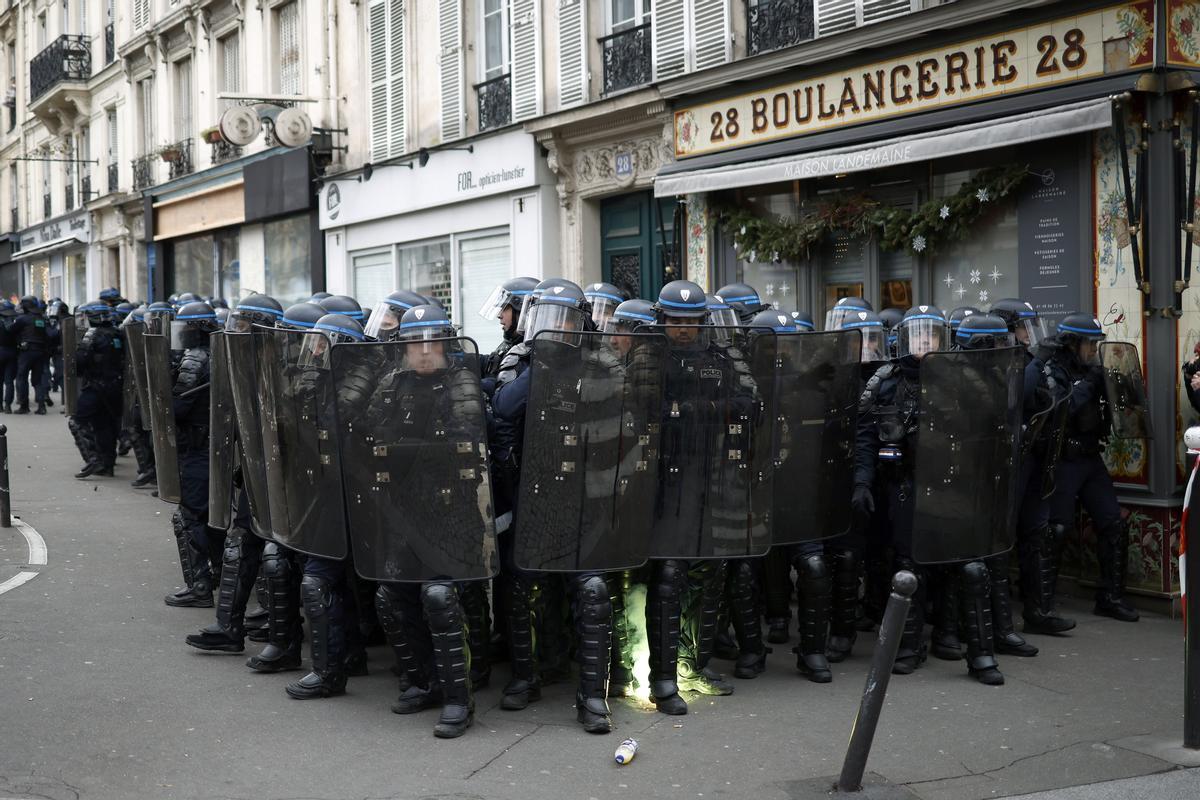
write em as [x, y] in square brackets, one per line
[70, 340]
[159, 384]
[815, 392]
[1125, 391]
[714, 492]
[413, 438]
[967, 454]
[136, 356]
[222, 434]
[589, 464]
[240, 350]
[299, 426]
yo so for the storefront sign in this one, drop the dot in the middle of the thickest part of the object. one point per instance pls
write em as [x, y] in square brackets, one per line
[1049, 262]
[497, 165]
[1071, 49]
[75, 227]
[205, 210]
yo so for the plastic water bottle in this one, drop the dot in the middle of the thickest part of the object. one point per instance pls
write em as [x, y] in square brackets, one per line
[626, 751]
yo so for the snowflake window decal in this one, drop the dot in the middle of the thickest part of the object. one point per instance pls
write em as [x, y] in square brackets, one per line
[995, 275]
[944, 212]
[918, 243]
[975, 276]
[982, 195]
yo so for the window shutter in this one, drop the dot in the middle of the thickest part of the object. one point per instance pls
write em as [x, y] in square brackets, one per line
[141, 14]
[398, 118]
[231, 63]
[669, 40]
[710, 26]
[450, 38]
[385, 29]
[290, 79]
[525, 32]
[572, 53]
[879, 10]
[835, 16]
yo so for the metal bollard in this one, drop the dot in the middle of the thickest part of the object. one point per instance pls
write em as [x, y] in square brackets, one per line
[5, 499]
[904, 584]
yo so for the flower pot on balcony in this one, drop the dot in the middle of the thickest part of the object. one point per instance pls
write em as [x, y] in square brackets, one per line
[171, 154]
[212, 135]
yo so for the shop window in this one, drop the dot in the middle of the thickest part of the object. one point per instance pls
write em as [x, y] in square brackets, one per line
[76, 267]
[373, 277]
[229, 267]
[191, 266]
[983, 267]
[483, 263]
[287, 260]
[495, 39]
[425, 269]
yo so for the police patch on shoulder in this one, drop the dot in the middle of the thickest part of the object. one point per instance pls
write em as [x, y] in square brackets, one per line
[710, 373]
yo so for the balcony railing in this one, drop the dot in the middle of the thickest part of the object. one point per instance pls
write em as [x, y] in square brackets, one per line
[627, 59]
[179, 157]
[223, 151]
[46, 206]
[68, 198]
[110, 45]
[775, 24]
[143, 171]
[495, 102]
[67, 58]
[85, 189]
[114, 176]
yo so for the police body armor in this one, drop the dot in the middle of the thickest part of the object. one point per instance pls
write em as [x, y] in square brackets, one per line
[967, 455]
[590, 457]
[413, 441]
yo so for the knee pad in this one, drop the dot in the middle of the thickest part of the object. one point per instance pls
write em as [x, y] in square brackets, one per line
[846, 560]
[275, 563]
[178, 525]
[388, 610]
[442, 609]
[742, 577]
[594, 602]
[232, 554]
[318, 595]
[813, 568]
[672, 577]
[975, 578]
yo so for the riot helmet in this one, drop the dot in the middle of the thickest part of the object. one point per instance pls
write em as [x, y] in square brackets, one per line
[922, 330]
[327, 331]
[192, 325]
[804, 321]
[317, 297]
[7, 309]
[982, 332]
[743, 299]
[301, 316]
[429, 339]
[773, 320]
[957, 315]
[385, 319]
[1081, 334]
[874, 338]
[1023, 321]
[682, 308]
[844, 306]
[344, 305]
[604, 298]
[561, 308]
[111, 295]
[254, 309]
[28, 304]
[93, 314]
[121, 311]
[218, 303]
[184, 298]
[720, 313]
[135, 317]
[531, 298]
[509, 295]
[222, 316]
[158, 318]
[55, 309]
[627, 317]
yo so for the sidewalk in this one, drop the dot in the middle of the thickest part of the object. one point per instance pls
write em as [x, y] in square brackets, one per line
[100, 698]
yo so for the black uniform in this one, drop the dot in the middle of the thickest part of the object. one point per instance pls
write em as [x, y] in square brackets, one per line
[100, 362]
[29, 329]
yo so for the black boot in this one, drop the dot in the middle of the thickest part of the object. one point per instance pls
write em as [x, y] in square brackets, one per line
[474, 601]
[192, 595]
[911, 653]
[451, 658]
[943, 640]
[664, 599]
[976, 608]
[238, 572]
[593, 623]
[523, 687]
[743, 613]
[1038, 554]
[401, 617]
[1008, 641]
[843, 618]
[814, 588]
[323, 609]
[22, 409]
[1112, 553]
[41, 408]
[621, 682]
[284, 634]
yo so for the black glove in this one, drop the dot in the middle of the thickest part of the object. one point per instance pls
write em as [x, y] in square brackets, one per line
[862, 501]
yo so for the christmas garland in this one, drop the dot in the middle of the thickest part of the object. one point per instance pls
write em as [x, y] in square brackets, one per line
[932, 225]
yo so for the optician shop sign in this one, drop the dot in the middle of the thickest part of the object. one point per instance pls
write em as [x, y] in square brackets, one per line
[1088, 45]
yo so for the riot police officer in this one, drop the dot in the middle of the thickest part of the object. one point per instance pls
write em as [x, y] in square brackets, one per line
[504, 304]
[604, 299]
[743, 299]
[52, 375]
[843, 307]
[200, 544]
[29, 329]
[8, 353]
[1072, 356]
[384, 324]
[100, 364]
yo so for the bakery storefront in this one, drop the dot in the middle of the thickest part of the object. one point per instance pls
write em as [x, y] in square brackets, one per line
[1043, 156]
[54, 259]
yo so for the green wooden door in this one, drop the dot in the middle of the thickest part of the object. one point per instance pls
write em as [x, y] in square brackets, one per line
[637, 235]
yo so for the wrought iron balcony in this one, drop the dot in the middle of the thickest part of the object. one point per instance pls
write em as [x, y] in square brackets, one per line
[114, 177]
[85, 189]
[68, 198]
[110, 44]
[67, 58]
[775, 24]
[46, 206]
[179, 157]
[627, 59]
[143, 171]
[223, 151]
[495, 102]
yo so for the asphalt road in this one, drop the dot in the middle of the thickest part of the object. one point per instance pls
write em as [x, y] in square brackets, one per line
[100, 698]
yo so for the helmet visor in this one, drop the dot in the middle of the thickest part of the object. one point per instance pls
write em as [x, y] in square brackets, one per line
[498, 300]
[558, 319]
[158, 323]
[384, 322]
[603, 307]
[526, 306]
[919, 336]
[836, 317]
[237, 322]
[874, 344]
[723, 318]
[314, 350]
[1030, 331]
[81, 321]
[428, 351]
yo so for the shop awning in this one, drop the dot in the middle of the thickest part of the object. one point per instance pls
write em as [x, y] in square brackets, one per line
[46, 247]
[986, 135]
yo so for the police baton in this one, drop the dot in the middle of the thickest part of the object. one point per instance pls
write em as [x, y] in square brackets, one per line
[195, 389]
[904, 584]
